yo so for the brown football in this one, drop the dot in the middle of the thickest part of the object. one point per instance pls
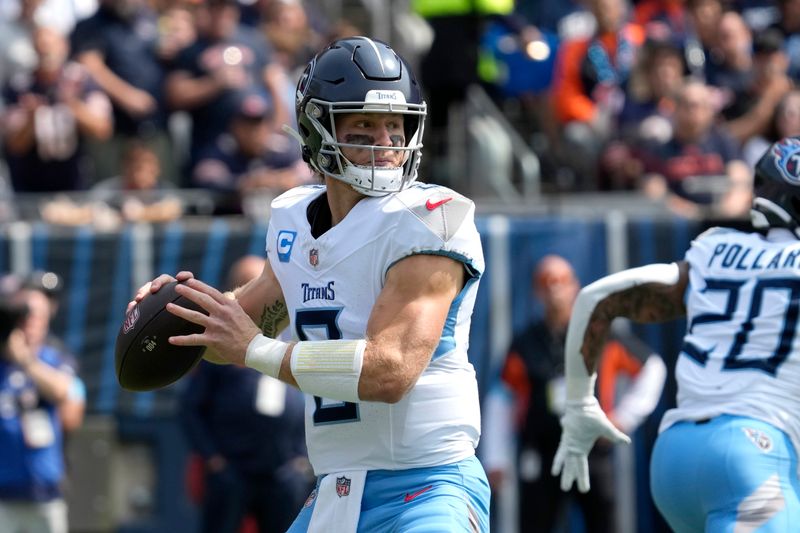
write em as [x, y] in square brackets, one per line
[145, 360]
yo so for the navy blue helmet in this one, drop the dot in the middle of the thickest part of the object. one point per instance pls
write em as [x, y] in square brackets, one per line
[776, 187]
[358, 74]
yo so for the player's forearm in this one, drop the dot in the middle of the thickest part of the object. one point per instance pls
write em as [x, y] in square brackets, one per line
[71, 412]
[346, 370]
[187, 93]
[53, 384]
[90, 123]
[652, 293]
[115, 87]
[388, 371]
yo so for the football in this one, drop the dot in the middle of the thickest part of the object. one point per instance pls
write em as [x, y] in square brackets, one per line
[145, 360]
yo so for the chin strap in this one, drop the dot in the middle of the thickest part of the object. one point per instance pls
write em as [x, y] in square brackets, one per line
[291, 132]
[304, 150]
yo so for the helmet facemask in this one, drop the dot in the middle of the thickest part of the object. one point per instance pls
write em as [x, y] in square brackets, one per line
[370, 180]
[359, 75]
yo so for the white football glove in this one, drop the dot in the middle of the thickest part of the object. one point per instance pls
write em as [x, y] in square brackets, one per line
[582, 424]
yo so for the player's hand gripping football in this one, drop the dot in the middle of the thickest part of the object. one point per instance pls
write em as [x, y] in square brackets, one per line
[582, 424]
[228, 328]
[153, 286]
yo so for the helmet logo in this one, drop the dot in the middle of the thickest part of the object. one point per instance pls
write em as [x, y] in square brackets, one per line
[787, 160]
[385, 96]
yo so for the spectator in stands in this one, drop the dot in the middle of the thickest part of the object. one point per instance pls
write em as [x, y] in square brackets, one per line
[588, 88]
[785, 123]
[646, 116]
[534, 372]
[43, 399]
[662, 20]
[49, 116]
[248, 429]
[226, 58]
[788, 24]
[704, 16]
[650, 98]
[752, 110]
[176, 31]
[287, 28]
[117, 45]
[730, 66]
[698, 171]
[254, 156]
[50, 284]
[138, 194]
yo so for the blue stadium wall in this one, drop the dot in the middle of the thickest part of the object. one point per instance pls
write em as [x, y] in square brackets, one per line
[102, 269]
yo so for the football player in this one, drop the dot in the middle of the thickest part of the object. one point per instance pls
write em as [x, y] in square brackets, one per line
[376, 275]
[726, 456]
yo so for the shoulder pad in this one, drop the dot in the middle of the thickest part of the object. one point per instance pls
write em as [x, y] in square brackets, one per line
[439, 208]
[294, 195]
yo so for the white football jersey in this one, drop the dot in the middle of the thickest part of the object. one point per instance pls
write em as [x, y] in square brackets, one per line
[741, 352]
[330, 285]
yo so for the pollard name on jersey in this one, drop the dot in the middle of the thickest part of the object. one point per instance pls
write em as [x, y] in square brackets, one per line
[741, 353]
[331, 284]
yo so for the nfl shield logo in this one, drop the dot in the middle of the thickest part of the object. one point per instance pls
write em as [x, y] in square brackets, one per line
[130, 320]
[313, 257]
[311, 498]
[342, 486]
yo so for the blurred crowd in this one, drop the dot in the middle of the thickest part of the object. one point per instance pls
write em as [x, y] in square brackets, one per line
[129, 102]
[132, 103]
[676, 99]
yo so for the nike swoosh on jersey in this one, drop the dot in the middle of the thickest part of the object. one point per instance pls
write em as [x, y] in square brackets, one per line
[433, 205]
[413, 495]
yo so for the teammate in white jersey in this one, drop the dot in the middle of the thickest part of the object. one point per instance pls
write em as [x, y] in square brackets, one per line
[376, 276]
[726, 456]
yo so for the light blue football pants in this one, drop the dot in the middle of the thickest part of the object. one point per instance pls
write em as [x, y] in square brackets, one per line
[729, 474]
[440, 499]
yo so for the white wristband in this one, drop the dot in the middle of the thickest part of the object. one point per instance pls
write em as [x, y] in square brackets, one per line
[265, 355]
[330, 369]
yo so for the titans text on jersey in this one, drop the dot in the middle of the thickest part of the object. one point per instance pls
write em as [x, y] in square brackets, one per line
[324, 292]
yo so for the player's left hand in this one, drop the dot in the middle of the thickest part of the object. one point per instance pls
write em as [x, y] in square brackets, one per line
[582, 424]
[228, 328]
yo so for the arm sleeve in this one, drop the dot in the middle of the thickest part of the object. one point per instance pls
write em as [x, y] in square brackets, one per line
[640, 400]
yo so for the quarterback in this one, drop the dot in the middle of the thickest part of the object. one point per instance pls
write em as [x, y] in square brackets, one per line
[726, 456]
[376, 276]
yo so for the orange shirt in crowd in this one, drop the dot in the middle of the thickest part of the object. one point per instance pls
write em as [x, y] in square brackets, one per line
[570, 98]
